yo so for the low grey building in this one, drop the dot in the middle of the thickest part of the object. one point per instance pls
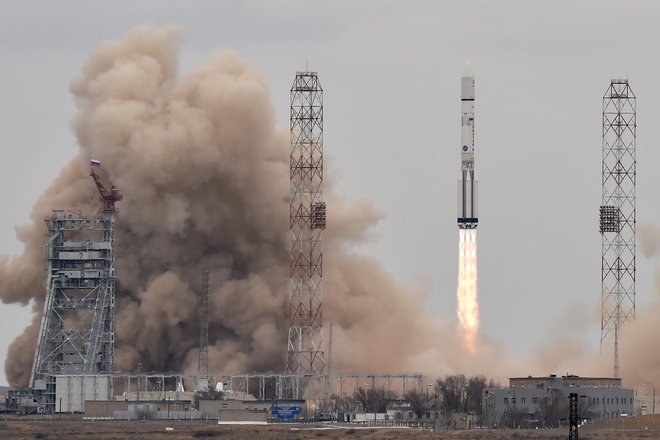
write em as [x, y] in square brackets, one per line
[543, 401]
[234, 410]
[141, 410]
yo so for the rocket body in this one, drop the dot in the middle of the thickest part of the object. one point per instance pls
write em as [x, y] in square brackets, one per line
[467, 184]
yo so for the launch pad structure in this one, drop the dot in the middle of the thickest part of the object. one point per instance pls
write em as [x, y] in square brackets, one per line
[617, 212]
[76, 336]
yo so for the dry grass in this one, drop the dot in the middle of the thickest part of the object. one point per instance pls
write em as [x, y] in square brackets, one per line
[629, 428]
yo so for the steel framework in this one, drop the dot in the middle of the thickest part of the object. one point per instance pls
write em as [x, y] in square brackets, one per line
[263, 386]
[617, 211]
[76, 334]
[305, 353]
[203, 361]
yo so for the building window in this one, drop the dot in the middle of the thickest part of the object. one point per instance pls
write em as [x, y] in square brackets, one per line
[523, 400]
[535, 400]
[506, 401]
[513, 400]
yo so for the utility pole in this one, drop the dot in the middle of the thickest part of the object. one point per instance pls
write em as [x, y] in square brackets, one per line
[573, 416]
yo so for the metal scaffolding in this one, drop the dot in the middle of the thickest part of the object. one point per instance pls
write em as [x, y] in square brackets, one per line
[76, 334]
[203, 362]
[307, 221]
[261, 386]
[617, 211]
[266, 386]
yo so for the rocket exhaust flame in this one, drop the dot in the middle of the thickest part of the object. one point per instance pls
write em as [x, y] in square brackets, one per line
[466, 294]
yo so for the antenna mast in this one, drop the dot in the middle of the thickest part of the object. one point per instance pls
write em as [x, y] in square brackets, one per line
[617, 211]
[305, 354]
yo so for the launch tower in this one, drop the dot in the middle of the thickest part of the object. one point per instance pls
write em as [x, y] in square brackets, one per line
[76, 336]
[617, 212]
[305, 355]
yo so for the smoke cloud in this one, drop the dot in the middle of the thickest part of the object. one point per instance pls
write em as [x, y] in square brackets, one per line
[639, 352]
[639, 359]
[204, 173]
[650, 240]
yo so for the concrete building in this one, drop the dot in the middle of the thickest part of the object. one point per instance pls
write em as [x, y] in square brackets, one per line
[143, 410]
[543, 401]
[233, 410]
[236, 410]
[71, 391]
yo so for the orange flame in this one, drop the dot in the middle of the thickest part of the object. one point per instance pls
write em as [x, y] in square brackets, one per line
[466, 294]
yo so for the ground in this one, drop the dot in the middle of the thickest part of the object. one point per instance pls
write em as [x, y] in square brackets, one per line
[645, 427]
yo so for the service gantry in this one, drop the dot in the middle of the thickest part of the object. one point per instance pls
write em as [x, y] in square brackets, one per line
[76, 334]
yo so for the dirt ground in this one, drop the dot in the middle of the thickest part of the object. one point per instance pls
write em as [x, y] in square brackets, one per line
[646, 427]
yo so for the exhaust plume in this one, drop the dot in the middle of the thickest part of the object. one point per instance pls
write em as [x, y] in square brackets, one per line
[639, 352]
[204, 172]
[650, 240]
[466, 294]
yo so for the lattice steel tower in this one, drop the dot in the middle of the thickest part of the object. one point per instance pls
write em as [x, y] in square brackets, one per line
[203, 361]
[617, 212]
[76, 334]
[305, 355]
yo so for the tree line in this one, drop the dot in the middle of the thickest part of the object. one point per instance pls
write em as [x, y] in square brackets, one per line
[453, 393]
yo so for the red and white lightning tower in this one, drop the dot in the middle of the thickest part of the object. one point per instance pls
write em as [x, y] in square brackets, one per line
[617, 211]
[305, 355]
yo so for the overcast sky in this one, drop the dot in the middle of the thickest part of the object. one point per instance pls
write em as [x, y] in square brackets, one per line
[391, 75]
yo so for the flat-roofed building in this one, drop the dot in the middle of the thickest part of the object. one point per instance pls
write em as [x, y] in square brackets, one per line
[543, 401]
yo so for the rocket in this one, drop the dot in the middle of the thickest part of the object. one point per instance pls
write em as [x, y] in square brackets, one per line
[467, 184]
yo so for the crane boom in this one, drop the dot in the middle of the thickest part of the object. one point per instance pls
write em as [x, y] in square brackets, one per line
[107, 197]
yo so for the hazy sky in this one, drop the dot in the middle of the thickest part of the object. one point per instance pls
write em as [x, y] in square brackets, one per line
[391, 75]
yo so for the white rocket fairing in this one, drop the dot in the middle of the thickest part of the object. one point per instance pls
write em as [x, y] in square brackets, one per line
[467, 184]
